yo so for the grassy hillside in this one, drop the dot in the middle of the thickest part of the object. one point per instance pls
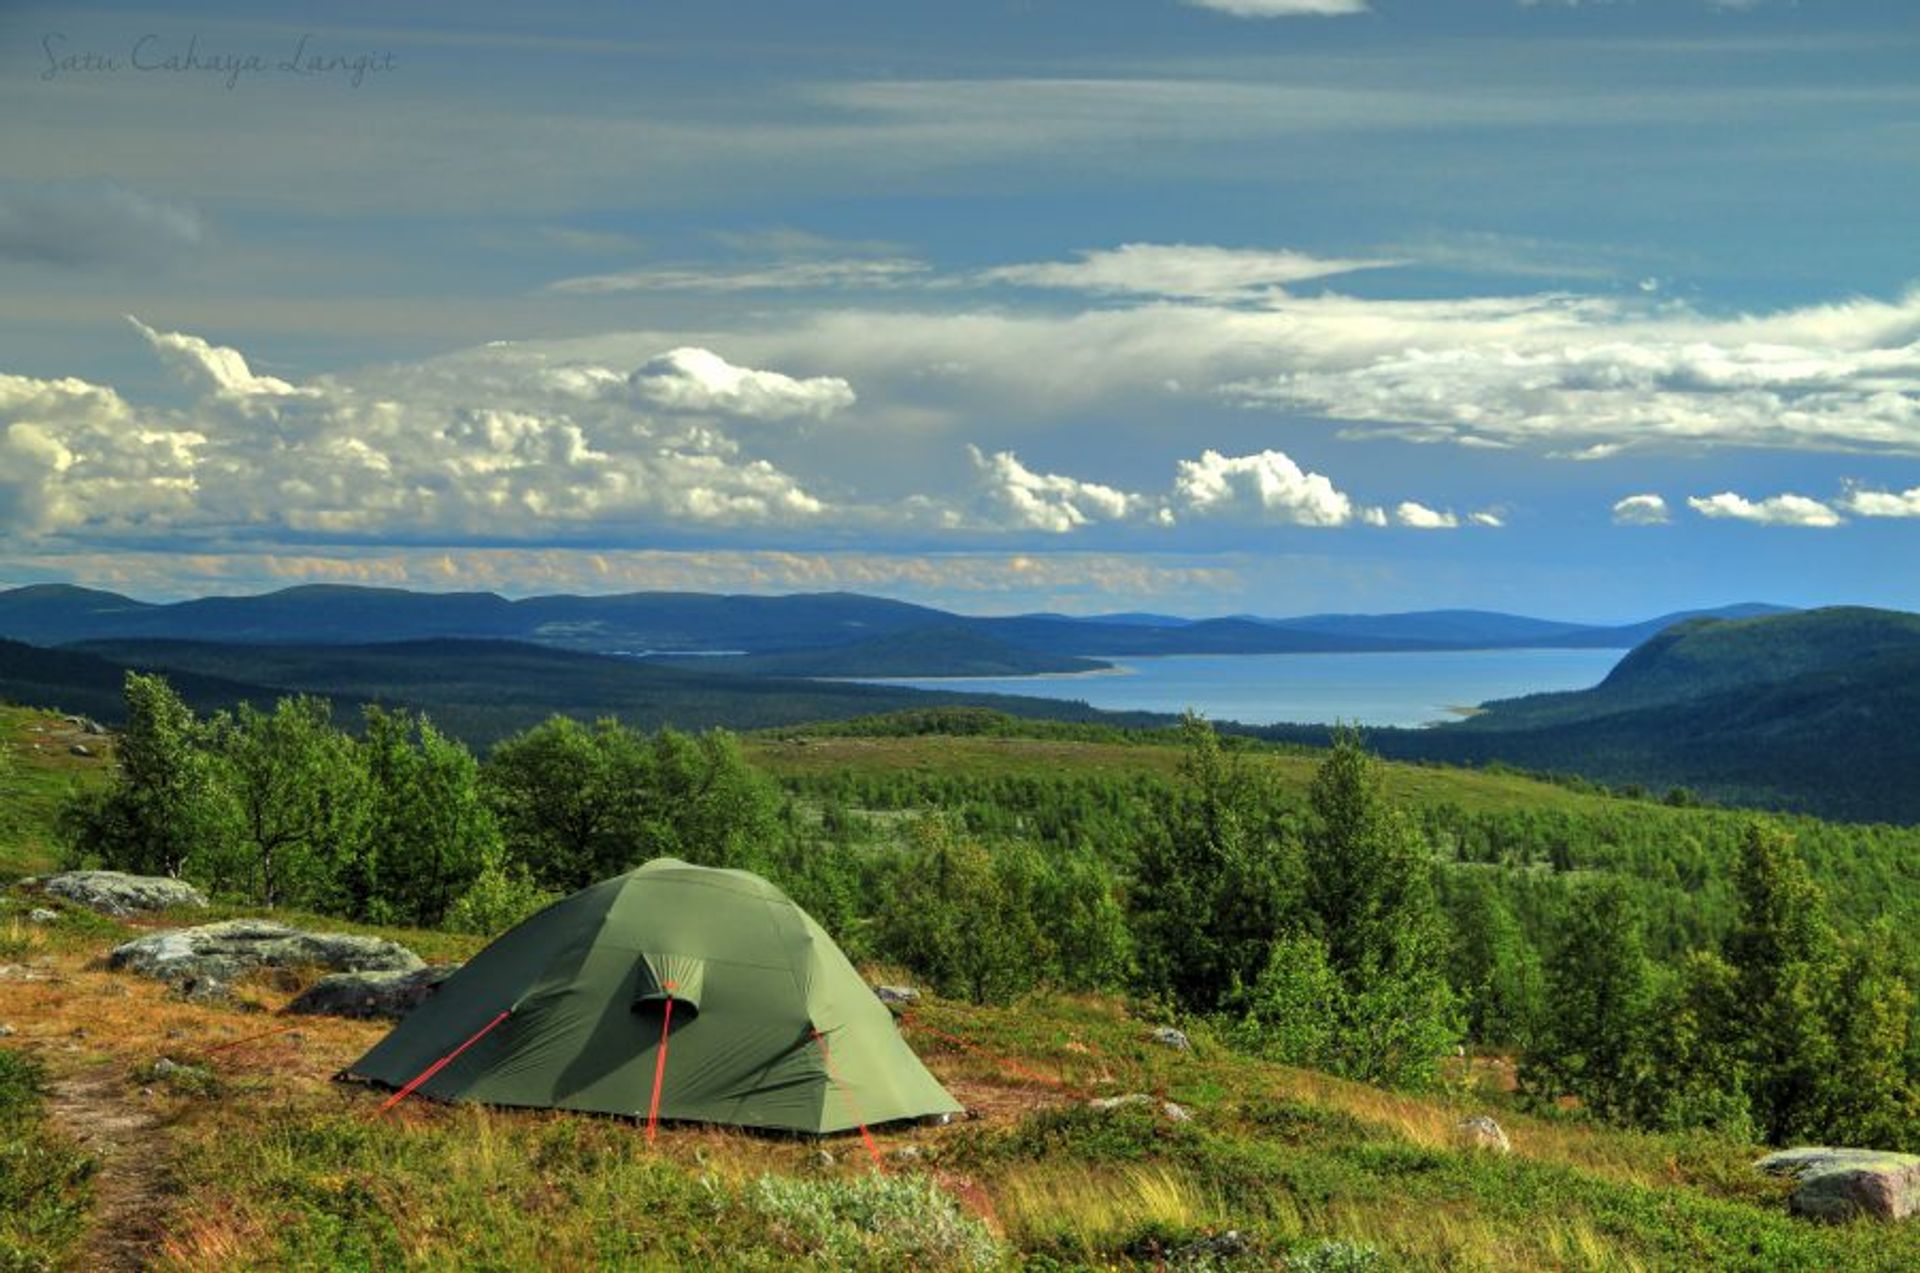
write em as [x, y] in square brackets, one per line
[256, 1160]
[1809, 711]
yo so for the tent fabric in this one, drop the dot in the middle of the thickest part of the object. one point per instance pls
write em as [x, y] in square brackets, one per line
[586, 981]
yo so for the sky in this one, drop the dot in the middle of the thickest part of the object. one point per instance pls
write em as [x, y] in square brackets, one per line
[1580, 309]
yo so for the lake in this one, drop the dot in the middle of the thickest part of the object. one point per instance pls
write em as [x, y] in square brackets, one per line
[1406, 689]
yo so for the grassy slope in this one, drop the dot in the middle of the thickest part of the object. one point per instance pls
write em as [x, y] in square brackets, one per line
[274, 1166]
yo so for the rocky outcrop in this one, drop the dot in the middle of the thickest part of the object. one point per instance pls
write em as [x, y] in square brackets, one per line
[116, 893]
[1481, 1132]
[1841, 1184]
[204, 961]
[366, 995]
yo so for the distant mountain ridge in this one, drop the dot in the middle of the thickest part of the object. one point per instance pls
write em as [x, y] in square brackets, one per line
[55, 614]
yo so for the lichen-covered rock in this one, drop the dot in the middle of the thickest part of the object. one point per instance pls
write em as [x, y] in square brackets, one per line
[218, 954]
[365, 995]
[1840, 1184]
[117, 893]
[897, 996]
[1167, 1036]
[1481, 1132]
[41, 915]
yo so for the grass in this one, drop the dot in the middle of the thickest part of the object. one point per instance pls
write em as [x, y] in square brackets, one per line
[38, 772]
[44, 1180]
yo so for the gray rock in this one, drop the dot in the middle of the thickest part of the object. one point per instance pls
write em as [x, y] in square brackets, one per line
[897, 996]
[6, 1031]
[41, 915]
[88, 725]
[1168, 1110]
[1840, 1184]
[820, 1158]
[364, 995]
[1116, 1102]
[1167, 1036]
[218, 954]
[116, 893]
[80, 749]
[906, 1153]
[1481, 1132]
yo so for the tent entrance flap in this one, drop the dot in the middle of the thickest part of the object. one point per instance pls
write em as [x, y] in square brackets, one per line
[680, 978]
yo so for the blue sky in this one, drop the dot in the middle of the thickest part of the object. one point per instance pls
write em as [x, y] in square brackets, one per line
[1590, 309]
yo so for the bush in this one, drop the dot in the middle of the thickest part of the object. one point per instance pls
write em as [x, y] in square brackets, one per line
[501, 896]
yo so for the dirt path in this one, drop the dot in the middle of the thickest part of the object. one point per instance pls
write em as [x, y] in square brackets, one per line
[96, 1107]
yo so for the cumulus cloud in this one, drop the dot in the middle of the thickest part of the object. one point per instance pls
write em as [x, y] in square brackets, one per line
[1015, 497]
[693, 379]
[212, 368]
[1776, 510]
[93, 223]
[1883, 503]
[1641, 510]
[480, 446]
[1420, 517]
[1182, 271]
[1282, 8]
[1267, 486]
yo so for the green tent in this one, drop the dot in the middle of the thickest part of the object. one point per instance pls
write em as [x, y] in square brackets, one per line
[763, 1020]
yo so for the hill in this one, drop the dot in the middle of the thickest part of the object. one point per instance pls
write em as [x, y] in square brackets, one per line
[1811, 711]
[667, 622]
[481, 691]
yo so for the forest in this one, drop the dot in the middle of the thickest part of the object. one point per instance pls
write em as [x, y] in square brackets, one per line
[1658, 963]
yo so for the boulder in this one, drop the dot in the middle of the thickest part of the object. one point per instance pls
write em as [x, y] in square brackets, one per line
[897, 996]
[1167, 1036]
[365, 995]
[41, 915]
[1840, 1184]
[116, 893]
[79, 749]
[1481, 1132]
[204, 960]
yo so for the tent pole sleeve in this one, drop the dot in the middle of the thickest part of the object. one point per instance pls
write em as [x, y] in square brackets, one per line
[826, 1058]
[441, 1064]
[659, 1067]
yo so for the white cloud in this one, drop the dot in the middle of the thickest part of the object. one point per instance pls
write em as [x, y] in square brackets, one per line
[214, 368]
[1641, 510]
[778, 276]
[1181, 271]
[1420, 517]
[1777, 510]
[1015, 497]
[1882, 503]
[1267, 487]
[1282, 8]
[439, 451]
[1488, 518]
[693, 379]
